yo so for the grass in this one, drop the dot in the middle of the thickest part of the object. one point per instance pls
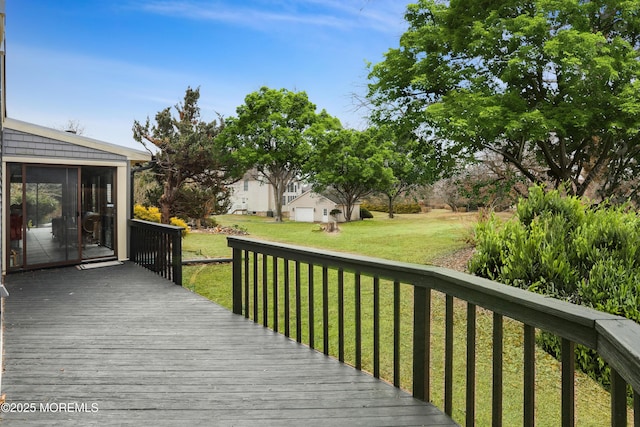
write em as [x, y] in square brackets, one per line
[410, 238]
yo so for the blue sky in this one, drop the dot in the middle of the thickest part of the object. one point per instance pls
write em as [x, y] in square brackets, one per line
[106, 63]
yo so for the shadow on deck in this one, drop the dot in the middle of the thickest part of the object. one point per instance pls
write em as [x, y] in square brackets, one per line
[120, 345]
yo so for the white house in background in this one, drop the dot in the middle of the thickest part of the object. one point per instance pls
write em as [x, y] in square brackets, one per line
[255, 196]
[315, 207]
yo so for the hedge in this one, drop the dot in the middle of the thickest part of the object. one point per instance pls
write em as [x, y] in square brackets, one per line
[565, 248]
[400, 208]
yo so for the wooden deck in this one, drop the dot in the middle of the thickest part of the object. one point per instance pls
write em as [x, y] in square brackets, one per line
[122, 346]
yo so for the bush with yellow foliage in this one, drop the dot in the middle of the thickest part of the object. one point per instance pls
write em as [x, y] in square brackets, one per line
[152, 214]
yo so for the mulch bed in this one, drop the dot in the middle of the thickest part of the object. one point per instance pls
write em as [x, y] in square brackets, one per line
[457, 260]
[233, 231]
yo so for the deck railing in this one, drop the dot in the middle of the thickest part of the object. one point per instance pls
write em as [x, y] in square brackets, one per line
[262, 270]
[157, 247]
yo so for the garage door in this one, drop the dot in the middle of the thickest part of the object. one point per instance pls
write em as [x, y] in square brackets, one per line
[304, 214]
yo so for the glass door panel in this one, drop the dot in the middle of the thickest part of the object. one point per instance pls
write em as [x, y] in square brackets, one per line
[51, 215]
[15, 254]
[98, 212]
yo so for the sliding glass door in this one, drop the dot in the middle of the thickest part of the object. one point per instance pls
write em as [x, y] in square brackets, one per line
[60, 215]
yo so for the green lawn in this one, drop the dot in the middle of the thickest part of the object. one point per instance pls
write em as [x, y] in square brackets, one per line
[410, 238]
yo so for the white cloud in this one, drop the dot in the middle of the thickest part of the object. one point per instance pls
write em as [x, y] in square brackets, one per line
[379, 15]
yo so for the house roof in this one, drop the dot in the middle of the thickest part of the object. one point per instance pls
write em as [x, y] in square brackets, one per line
[31, 128]
[327, 195]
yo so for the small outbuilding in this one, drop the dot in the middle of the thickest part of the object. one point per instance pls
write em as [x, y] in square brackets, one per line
[314, 207]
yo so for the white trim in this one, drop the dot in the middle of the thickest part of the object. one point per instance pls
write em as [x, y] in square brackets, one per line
[122, 210]
[61, 161]
[72, 138]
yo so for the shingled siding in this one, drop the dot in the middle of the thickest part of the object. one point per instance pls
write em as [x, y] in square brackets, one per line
[18, 143]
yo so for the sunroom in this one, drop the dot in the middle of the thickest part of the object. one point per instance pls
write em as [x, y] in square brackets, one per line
[65, 197]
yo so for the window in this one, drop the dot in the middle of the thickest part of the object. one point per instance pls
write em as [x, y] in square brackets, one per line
[246, 185]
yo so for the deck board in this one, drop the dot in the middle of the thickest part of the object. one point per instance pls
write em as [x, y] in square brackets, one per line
[148, 352]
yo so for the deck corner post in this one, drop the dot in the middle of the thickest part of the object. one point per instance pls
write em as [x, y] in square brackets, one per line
[420, 386]
[237, 281]
[176, 257]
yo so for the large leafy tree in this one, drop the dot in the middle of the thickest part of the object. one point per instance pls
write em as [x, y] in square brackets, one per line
[414, 164]
[350, 164]
[271, 135]
[556, 79]
[188, 151]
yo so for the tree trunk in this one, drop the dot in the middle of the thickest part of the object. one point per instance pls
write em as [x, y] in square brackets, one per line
[348, 207]
[168, 197]
[278, 190]
[390, 206]
[165, 210]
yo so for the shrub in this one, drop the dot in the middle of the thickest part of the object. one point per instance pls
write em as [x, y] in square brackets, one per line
[562, 247]
[209, 222]
[153, 214]
[364, 213]
[179, 222]
[400, 208]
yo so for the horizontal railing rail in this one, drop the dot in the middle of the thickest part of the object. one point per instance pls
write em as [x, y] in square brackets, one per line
[616, 339]
[157, 247]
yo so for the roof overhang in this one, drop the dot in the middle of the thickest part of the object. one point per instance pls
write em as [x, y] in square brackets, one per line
[131, 154]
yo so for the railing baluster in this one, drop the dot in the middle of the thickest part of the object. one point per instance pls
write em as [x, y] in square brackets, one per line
[142, 245]
[168, 261]
[265, 290]
[427, 346]
[618, 400]
[529, 375]
[145, 249]
[341, 315]
[471, 364]
[163, 257]
[448, 356]
[165, 253]
[376, 327]
[246, 284]
[496, 389]
[358, 322]
[255, 287]
[237, 281]
[396, 334]
[287, 301]
[298, 304]
[421, 342]
[275, 294]
[325, 309]
[568, 387]
[151, 242]
[311, 309]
